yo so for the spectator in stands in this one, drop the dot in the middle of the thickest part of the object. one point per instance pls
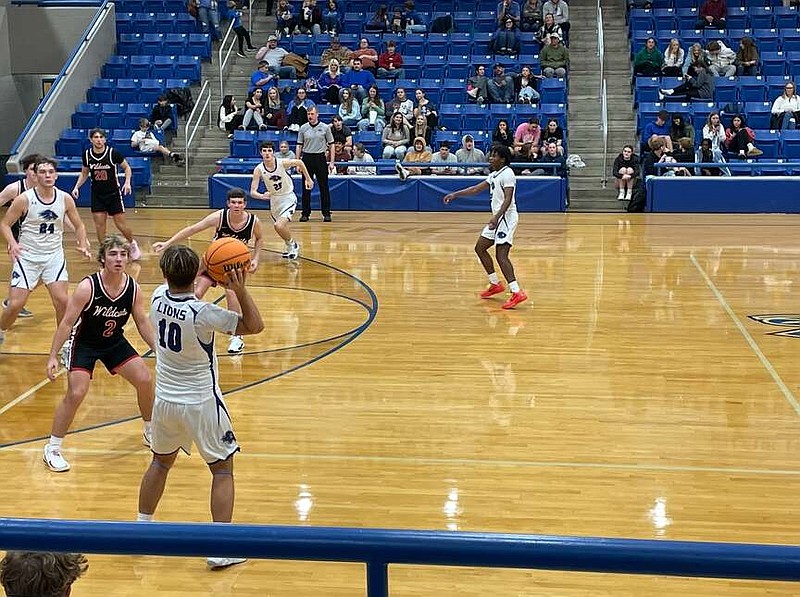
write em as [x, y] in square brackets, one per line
[330, 82]
[548, 28]
[426, 108]
[341, 154]
[414, 159]
[361, 155]
[739, 139]
[477, 85]
[161, 114]
[505, 40]
[368, 56]
[230, 117]
[145, 140]
[674, 58]
[699, 87]
[285, 19]
[443, 156]
[721, 59]
[390, 63]
[555, 58]
[298, 108]
[41, 574]
[531, 16]
[242, 34]
[527, 138]
[681, 128]
[397, 22]
[274, 110]
[341, 132]
[524, 87]
[560, 12]
[647, 164]
[284, 153]
[415, 22]
[658, 129]
[336, 51]
[421, 129]
[786, 109]
[551, 155]
[349, 108]
[208, 15]
[706, 155]
[378, 22]
[553, 132]
[625, 171]
[697, 57]
[373, 111]
[254, 110]
[358, 80]
[310, 18]
[501, 86]
[712, 14]
[649, 60]
[747, 58]
[507, 9]
[274, 56]
[469, 154]
[714, 132]
[262, 78]
[331, 17]
[403, 104]
[396, 138]
[684, 154]
[503, 135]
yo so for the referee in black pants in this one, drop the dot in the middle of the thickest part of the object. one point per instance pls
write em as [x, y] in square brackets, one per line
[313, 141]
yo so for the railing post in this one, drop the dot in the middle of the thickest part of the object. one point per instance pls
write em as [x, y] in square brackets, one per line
[377, 579]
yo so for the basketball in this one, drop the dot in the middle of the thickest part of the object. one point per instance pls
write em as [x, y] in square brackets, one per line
[224, 255]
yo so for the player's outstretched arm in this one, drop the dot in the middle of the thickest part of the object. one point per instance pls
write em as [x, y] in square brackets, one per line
[78, 183]
[142, 321]
[16, 210]
[254, 182]
[210, 221]
[80, 230]
[473, 190]
[251, 321]
[258, 237]
[77, 303]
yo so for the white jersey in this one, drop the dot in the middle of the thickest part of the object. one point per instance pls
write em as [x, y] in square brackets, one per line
[278, 182]
[498, 182]
[186, 365]
[42, 230]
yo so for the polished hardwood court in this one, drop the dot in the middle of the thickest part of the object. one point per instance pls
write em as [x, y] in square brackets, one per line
[633, 396]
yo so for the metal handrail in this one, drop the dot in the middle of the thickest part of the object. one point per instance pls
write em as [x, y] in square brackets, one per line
[223, 61]
[604, 124]
[203, 97]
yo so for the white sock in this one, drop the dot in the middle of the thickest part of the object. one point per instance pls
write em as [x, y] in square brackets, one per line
[493, 279]
[513, 286]
[55, 441]
[144, 517]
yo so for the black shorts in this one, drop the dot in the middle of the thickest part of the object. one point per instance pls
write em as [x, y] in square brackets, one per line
[113, 356]
[110, 204]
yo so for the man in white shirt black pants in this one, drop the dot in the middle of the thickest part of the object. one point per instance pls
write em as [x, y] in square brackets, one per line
[314, 140]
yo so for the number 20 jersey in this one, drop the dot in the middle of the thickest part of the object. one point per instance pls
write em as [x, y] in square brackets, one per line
[42, 231]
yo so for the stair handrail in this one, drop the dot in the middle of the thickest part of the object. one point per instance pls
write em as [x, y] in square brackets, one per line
[202, 104]
[604, 124]
[226, 47]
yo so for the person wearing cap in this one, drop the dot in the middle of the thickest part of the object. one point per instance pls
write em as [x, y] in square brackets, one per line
[469, 154]
[505, 40]
[554, 58]
[262, 78]
[273, 55]
[443, 156]
[500, 86]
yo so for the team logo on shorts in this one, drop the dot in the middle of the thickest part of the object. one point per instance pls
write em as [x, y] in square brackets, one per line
[790, 322]
[48, 214]
[14, 275]
[501, 235]
[229, 438]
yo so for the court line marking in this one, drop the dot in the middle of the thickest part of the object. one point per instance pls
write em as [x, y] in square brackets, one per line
[29, 392]
[787, 393]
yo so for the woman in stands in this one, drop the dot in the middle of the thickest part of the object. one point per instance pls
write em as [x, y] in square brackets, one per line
[502, 134]
[747, 58]
[505, 40]
[786, 109]
[547, 29]
[331, 18]
[330, 82]
[310, 20]
[349, 109]
[298, 109]
[285, 20]
[674, 57]
[230, 117]
[254, 110]
[396, 138]
[648, 60]
[426, 108]
[373, 111]
[680, 128]
[697, 57]
[274, 110]
[625, 171]
[739, 139]
[553, 132]
[524, 86]
[715, 133]
[421, 129]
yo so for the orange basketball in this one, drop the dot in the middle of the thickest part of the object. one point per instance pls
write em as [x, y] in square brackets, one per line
[224, 255]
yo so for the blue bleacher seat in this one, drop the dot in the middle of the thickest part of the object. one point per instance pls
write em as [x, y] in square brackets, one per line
[188, 67]
[199, 44]
[450, 116]
[453, 91]
[758, 114]
[768, 142]
[464, 20]
[120, 139]
[304, 44]
[434, 66]
[726, 90]
[413, 66]
[415, 44]
[237, 165]
[475, 117]
[687, 18]
[785, 17]
[790, 40]
[153, 43]
[371, 141]
[126, 91]
[69, 164]
[438, 44]
[553, 91]
[185, 23]
[150, 89]
[485, 21]
[647, 113]
[176, 44]
[142, 175]
[86, 116]
[102, 91]
[790, 144]
[163, 67]
[768, 40]
[72, 142]
[761, 17]
[125, 24]
[773, 63]
[737, 18]
[645, 89]
[116, 67]
[736, 35]
[640, 19]
[139, 67]
[452, 137]
[775, 85]
[665, 19]
[793, 63]
[145, 21]
[112, 115]
[752, 89]
[244, 144]
[129, 44]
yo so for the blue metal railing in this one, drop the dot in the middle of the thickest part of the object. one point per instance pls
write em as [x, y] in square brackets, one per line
[378, 548]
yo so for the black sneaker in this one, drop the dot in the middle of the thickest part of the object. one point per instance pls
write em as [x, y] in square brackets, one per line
[304, 218]
[326, 218]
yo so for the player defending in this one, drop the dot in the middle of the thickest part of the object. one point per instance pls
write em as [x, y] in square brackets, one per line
[11, 192]
[232, 222]
[189, 405]
[100, 306]
[499, 232]
[100, 163]
[280, 192]
[39, 253]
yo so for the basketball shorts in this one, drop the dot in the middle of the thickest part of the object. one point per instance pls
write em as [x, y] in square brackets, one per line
[111, 204]
[504, 233]
[27, 272]
[207, 425]
[83, 357]
[283, 206]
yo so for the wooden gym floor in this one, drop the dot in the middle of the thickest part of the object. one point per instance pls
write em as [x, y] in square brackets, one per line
[633, 396]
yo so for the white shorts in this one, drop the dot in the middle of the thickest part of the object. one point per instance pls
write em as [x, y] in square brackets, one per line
[26, 273]
[504, 233]
[148, 145]
[283, 206]
[207, 425]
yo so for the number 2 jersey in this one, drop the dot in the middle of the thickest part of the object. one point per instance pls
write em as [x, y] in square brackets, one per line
[103, 318]
[186, 364]
[42, 231]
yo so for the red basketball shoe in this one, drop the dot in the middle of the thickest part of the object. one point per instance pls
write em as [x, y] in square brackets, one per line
[515, 299]
[492, 290]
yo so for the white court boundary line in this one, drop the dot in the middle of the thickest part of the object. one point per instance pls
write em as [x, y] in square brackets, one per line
[28, 393]
[787, 393]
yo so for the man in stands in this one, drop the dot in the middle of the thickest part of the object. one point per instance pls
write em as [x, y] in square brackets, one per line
[712, 14]
[721, 59]
[501, 86]
[274, 57]
[443, 156]
[560, 12]
[469, 154]
[555, 58]
[415, 23]
[358, 80]
[336, 50]
[659, 129]
[262, 78]
[390, 63]
[699, 87]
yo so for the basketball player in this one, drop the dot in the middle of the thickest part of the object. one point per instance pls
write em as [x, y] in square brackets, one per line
[499, 232]
[232, 222]
[39, 253]
[11, 192]
[280, 192]
[100, 164]
[98, 311]
[189, 406]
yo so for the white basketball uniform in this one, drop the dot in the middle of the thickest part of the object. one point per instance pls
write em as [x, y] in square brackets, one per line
[189, 406]
[41, 237]
[280, 186]
[507, 225]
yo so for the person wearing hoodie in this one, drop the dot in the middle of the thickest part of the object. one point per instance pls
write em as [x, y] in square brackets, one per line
[469, 154]
[649, 60]
[414, 159]
[477, 85]
[721, 59]
[699, 87]
[625, 171]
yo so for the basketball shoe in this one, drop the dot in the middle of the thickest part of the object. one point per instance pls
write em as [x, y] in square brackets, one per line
[492, 290]
[401, 172]
[515, 299]
[54, 460]
[220, 563]
[294, 251]
[23, 313]
[136, 253]
[235, 345]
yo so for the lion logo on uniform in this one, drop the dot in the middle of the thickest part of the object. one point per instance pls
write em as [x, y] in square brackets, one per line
[229, 438]
[791, 323]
